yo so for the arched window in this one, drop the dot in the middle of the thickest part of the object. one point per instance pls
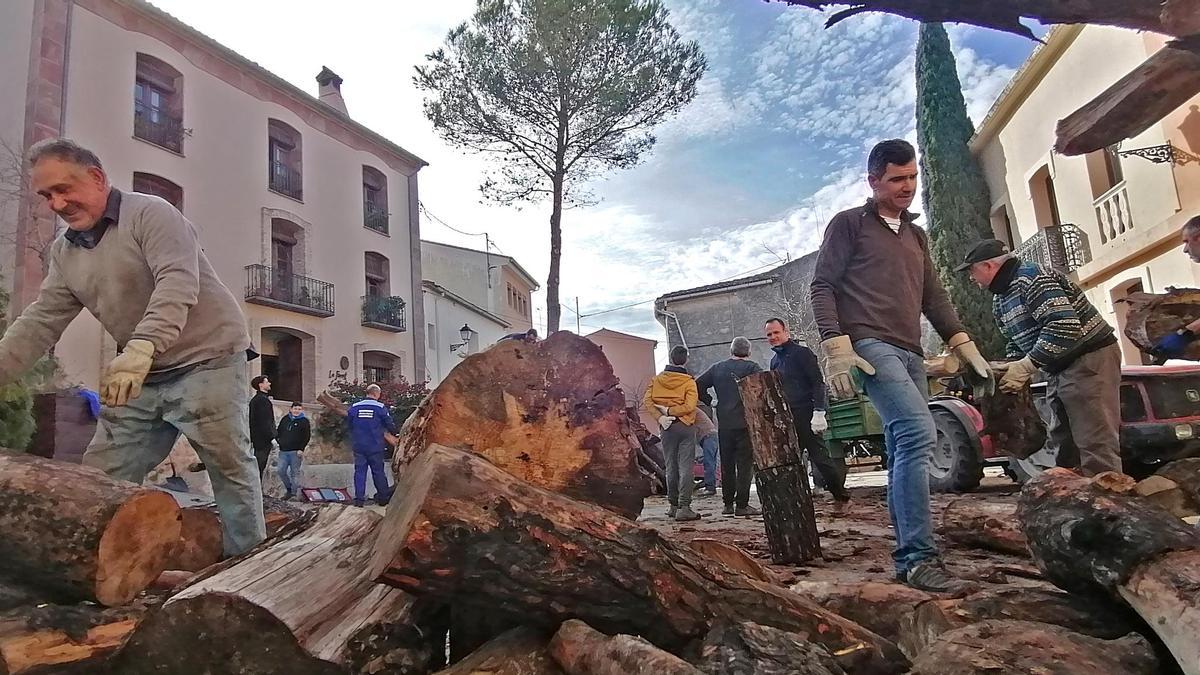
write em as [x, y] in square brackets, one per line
[150, 184]
[284, 159]
[375, 202]
[158, 103]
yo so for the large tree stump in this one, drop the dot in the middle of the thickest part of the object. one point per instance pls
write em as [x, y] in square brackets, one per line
[582, 650]
[47, 638]
[200, 540]
[986, 525]
[520, 651]
[1152, 316]
[1089, 616]
[551, 413]
[303, 604]
[1013, 423]
[750, 649]
[72, 530]
[465, 531]
[991, 647]
[782, 480]
[1091, 540]
[877, 606]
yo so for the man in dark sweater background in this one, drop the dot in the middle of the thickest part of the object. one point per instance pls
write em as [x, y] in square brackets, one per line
[805, 391]
[737, 459]
[262, 420]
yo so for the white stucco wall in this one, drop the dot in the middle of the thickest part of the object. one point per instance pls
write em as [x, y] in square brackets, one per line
[447, 317]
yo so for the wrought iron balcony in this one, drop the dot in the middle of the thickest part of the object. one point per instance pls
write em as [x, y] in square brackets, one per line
[1060, 247]
[1112, 213]
[375, 217]
[385, 312]
[157, 126]
[286, 180]
[273, 288]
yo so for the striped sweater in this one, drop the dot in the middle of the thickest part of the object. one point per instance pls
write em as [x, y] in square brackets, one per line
[1044, 315]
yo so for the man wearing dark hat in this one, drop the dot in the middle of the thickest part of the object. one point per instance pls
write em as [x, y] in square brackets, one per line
[1052, 327]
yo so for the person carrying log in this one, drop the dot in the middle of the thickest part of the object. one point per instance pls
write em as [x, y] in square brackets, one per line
[873, 281]
[1052, 327]
[136, 264]
[369, 422]
[672, 398]
[737, 457]
[1174, 345]
[806, 396]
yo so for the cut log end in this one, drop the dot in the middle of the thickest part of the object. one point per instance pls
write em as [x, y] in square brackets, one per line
[136, 546]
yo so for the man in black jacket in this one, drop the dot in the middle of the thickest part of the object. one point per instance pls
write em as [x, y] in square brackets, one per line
[262, 420]
[737, 459]
[805, 390]
[293, 435]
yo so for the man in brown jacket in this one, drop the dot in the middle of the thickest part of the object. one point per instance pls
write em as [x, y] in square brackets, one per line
[136, 264]
[873, 281]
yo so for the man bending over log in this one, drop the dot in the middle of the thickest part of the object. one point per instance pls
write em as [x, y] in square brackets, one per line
[1051, 326]
[136, 264]
[1174, 345]
[873, 281]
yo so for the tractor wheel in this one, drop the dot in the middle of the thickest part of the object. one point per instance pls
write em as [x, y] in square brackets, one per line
[955, 466]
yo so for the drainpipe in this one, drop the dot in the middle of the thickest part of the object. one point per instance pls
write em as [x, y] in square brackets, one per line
[678, 327]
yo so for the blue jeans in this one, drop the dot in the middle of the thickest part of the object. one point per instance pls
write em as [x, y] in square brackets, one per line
[900, 392]
[709, 447]
[374, 462]
[289, 470]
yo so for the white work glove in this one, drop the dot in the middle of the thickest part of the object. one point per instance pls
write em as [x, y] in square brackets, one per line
[1017, 375]
[819, 425]
[665, 421]
[842, 359]
[125, 374]
[978, 374]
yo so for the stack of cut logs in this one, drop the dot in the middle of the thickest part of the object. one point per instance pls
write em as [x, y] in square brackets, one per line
[511, 547]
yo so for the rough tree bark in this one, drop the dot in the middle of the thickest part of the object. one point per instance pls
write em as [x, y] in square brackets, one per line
[1186, 474]
[1165, 81]
[466, 531]
[992, 646]
[48, 638]
[1090, 616]
[732, 557]
[751, 649]
[877, 606]
[551, 413]
[520, 651]
[303, 604]
[580, 649]
[1151, 316]
[780, 475]
[1091, 540]
[1014, 424]
[74, 531]
[986, 525]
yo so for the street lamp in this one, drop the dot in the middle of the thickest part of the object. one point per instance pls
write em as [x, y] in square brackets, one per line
[465, 333]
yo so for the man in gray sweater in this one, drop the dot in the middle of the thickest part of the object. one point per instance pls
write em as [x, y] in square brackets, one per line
[737, 459]
[136, 264]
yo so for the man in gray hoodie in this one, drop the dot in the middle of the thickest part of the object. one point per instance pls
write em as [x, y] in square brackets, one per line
[737, 459]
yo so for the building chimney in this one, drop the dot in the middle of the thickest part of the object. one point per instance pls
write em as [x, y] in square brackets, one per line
[330, 91]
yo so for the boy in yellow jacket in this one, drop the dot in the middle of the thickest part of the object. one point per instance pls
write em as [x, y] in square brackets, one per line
[671, 397]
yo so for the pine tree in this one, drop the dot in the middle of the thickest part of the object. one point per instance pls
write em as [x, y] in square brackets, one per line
[956, 196]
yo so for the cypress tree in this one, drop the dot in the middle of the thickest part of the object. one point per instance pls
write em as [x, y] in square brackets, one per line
[956, 196]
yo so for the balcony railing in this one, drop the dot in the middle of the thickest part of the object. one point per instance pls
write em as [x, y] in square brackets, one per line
[385, 312]
[268, 286]
[1060, 247]
[375, 217]
[286, 180]
[157, 126]
[1112, 213]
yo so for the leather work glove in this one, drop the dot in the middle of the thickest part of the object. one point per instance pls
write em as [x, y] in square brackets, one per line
[1173, 345]
[978, 374]
[842, 359]
[819, 424]
[125, 374]
[1017, 375]
[665, 421]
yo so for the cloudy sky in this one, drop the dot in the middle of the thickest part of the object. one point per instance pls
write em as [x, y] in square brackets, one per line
[743, 179]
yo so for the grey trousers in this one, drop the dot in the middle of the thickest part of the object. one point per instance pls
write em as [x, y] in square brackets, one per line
[209, 405]
[679, 449]
[1085, 401]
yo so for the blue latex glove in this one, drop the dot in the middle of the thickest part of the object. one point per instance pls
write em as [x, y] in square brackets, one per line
[1175, 344]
